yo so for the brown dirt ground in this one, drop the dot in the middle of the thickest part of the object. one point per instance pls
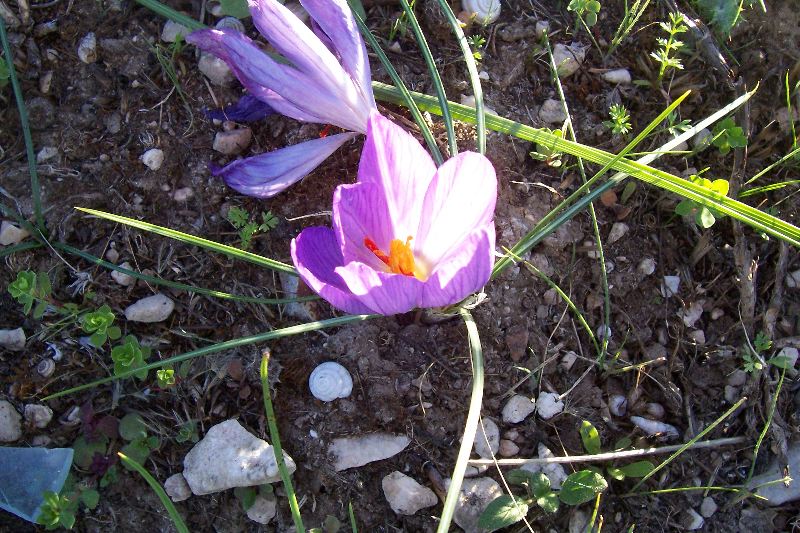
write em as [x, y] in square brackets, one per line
[98, 167]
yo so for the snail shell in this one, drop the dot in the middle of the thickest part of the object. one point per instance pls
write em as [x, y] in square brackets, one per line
[231, 23]
[486, 11]
[330, 381]
[46, 367]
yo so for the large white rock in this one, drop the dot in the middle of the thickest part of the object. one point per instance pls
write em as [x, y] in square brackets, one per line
[11, 234]
[405, 495]
[10, 426]
[176, 488]
[780, 493]
[487, 440]
[476, 494]
[154, 308]
[262, 510]
[350, 452]
[517, 409]
[229, 456]
[548, 405]
[13, 339]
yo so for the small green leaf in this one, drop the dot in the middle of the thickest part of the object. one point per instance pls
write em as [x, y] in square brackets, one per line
[781, 361]
[616, 473]
[67, 519]
[235, 8]
[622, 443]
[519, 477]
[246, 496]
[548, 502]
[83, 451]
[331, 524]
[132, 427]
[637, 469]
[90, 498]
[43, 284]
[114, 333]
[580, 487]
[590, 438]
[685, 208]
[704, 218]
[501, 512]
[540, 485]
[97, 339]
[39, 310]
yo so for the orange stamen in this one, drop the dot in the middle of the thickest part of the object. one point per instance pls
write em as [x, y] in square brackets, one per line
[325, 131]
[400, 259]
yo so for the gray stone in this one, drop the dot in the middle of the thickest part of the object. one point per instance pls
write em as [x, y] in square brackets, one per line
[10, 422]
[618, 231]
[552, 112]
[176, 488]
[47, 153]
[548, 405]
[171, 30]
[568, 58]
[229, 456]
[87, 48]
[38, 415]
[405, 495]
[691, 520]
[487, 440]
[153, 158]
[476, 494]
[232, 142]
[126, 280]
[215, 70]
[11, 234]
[351, 452]
[13, 339]
[262, 510]
[555, 472]
[620, 76]
[708, 507]
[517, 409]
[780, 493]
[156, 308]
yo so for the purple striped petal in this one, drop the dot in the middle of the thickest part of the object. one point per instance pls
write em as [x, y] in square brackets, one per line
[247, 109]
[387, 294]
[316, 255]
[401, 168]
[265, 175]
[359, 212]
[464, 271]
[335, 19]
[460, 198]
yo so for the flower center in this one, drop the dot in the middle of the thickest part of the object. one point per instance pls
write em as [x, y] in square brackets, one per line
[400, 259]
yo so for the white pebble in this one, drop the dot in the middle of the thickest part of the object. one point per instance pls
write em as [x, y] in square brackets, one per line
[790, 354]
[156, 308]
[670, 286]
[552, 112]
[262, 510]
[153, 158]
[517, 409]
[38, 415]
[350, 452]
[330, 381]
[171, 30]
[698, 336]
[548, 405]
[793, 279]
[405, 495]
[232, 142]
[11, 233]
[618, 230]
[182, 194]
[487, 440]
[618, 76]
[702, 139]
[469, 101]
[13, 339]
[646, 266]
[708, 507]
[46, 153]
[691, 520]
[122, 278]
[10, 422]
[507, 448]
[717, 313]
[618, 404]
[87, 48]
[654, 427]
[656, 410]
[692, 314]
[176, 488]
[215, 70]
[568, 58]
[568, 360]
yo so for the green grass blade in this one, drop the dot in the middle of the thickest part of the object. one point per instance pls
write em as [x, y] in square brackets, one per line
[472, 68]
[767, 188]
[767, 424]
[274, 435]
[435, 78]
[21, 247]
[780, 161]
[159, 490]
[352, 515]
[181, 286]
[193, 240]
[220, 347]
[171, 14]
[36, 194]
[470, 427]
[403, 91]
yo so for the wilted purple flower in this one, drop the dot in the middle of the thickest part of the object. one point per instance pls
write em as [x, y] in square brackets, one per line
[406, 234]
[328, 81]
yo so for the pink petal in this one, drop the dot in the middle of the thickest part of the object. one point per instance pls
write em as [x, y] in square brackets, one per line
[359, 212]
[335, 19]
[386, 294]
[461, 197]
[464, 271]
[316, 255]
[265, 175]
[394, 161]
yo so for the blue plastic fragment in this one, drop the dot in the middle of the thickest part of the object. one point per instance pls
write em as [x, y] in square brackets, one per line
[27, 473]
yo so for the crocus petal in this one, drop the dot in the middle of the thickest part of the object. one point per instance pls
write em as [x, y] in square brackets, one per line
[461, 197]
[385, 293]
[298, 44]
[316, 255]
[465, 270]
[394, 161]
[266, 175]
[359, 212]
[335, 19]
[247, 109]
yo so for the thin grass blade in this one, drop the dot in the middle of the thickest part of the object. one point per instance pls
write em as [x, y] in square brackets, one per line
[159, 490]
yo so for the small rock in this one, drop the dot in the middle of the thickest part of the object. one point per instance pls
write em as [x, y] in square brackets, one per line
[698, 336]
[469, 101]
[517, 409]
[171, 30]
[555, 472]
[737, 378]
[568, 360]
[87, 48]
[708, 507]
[731, 394]
[517, 342]
[603, 332]
[620, 76]
[790, 354]
[692, 314]
[551, 297]
[113, 123]
[13, 339]
[618, 230]
[646, 266]
[350, 452]
[476, 494]
[229, 456]
[670, 286]
[112, 255]
[215, 70]
[233, 142]
[262, 510]
[38, 415]
[46, 153]
[11, 234]
[396, 48]
[508, 448]
[153, 158]
[691, 520]
[618, 404]
[542, 27]
[290, 285]
[10, 422]
[182, 194]
[656, 410]
[176, 487]
[548, 405]
[156, 308]
[568, 58]
[578, 522]
[717, 313]
[552, 112]
[702, 139]
[405, 495]
[654, 427]
[122, 278]
[46, 82]
[793, 279]
[780, 493]
[487, 441]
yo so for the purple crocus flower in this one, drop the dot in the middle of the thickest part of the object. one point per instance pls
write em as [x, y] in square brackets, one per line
[328, 82]
[407, 234]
